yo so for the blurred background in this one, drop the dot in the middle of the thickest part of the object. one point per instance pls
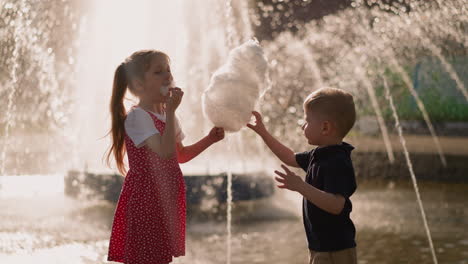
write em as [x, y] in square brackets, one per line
[405, 62]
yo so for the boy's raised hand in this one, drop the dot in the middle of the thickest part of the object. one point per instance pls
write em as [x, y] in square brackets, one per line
[289, 180]
[258, 127]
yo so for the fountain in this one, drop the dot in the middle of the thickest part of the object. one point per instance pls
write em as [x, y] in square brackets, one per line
[57, 66]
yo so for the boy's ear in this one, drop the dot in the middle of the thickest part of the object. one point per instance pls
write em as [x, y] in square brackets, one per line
[327, 128]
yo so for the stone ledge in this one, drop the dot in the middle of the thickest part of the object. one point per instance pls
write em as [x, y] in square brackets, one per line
[426, 166]
[199, 188]
[368, 125]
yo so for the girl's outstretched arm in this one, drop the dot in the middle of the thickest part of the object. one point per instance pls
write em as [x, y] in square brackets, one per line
[186, 153]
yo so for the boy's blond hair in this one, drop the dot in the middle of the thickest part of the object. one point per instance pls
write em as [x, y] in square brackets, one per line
[334, 104]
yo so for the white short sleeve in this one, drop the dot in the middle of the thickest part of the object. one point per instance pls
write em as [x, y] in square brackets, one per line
[139, 126]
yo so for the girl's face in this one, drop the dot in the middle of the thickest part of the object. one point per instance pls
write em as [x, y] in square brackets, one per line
[158, 75]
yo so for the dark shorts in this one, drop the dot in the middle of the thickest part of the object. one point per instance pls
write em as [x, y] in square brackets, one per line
[345, 256]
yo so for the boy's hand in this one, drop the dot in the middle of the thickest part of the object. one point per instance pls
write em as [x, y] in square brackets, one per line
[216, 134]
[259, 127]
[289, 179]
[175, 97]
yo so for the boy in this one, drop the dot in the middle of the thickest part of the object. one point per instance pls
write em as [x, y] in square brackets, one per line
[330, 181]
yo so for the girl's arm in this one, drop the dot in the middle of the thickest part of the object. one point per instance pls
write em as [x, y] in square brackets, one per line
[164, 145]
[186, 153]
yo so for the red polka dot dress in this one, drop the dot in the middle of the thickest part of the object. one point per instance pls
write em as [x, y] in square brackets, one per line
[149, 221]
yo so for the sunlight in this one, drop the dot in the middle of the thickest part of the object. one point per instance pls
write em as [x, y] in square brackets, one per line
[25, 186]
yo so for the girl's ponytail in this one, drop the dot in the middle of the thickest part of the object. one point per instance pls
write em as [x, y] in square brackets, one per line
[118, 114]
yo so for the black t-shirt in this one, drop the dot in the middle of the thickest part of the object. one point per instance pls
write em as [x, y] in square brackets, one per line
[329, 169]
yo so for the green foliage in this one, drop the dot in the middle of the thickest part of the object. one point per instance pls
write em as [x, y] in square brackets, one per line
[437, 91]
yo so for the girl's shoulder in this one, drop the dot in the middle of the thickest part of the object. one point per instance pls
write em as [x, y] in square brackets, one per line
[139, 120]
[137, 116]
[140, 111]
[137, 113]
[139, 126]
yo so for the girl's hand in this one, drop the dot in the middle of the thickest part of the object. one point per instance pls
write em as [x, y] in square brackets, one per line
[175, 97]
[289, 180]
[216, 134]
[259, 127]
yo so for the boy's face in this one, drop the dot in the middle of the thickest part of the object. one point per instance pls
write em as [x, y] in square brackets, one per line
[313, 128]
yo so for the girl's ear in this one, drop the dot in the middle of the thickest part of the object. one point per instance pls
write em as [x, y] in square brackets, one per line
[137, 85]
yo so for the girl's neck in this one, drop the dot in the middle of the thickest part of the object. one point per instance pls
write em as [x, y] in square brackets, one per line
[155, 108]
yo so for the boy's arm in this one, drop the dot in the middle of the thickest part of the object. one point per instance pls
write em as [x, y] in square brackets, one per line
[284, 153]
[186, 153]
[332, 203]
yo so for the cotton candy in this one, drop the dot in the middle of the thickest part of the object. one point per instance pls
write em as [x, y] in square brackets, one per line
[236, 86]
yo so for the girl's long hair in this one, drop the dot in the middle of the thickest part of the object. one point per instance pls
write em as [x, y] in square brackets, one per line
[133, 68]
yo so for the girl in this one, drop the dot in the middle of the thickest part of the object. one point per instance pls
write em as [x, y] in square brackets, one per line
[149, 221]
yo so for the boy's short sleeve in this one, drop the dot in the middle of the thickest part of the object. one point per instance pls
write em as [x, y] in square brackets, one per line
[338, 179]
[303, 159]
[139, 126]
